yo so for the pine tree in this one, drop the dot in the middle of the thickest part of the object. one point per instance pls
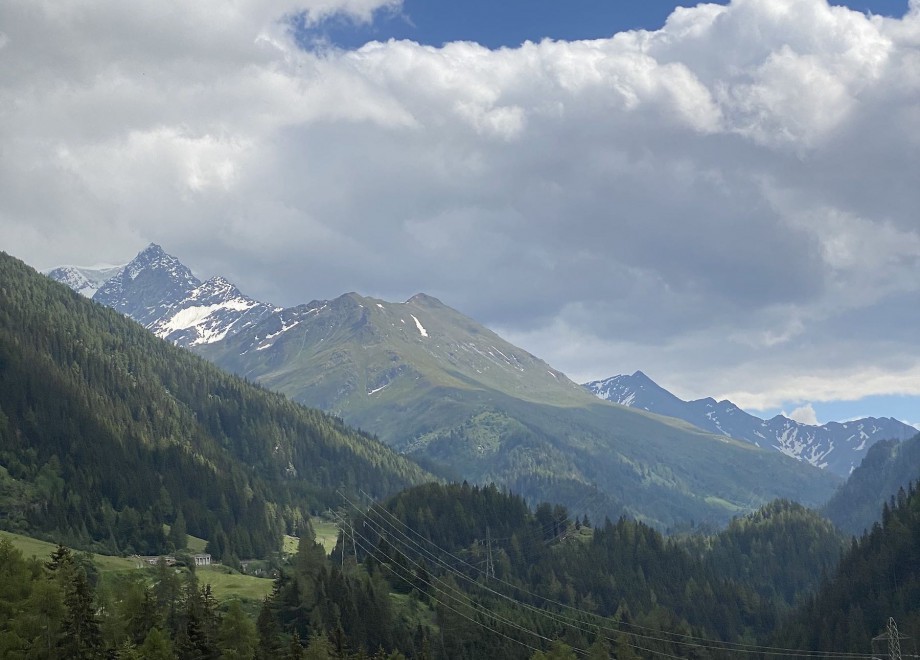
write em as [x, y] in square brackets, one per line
[624, 648]
[319, 648]
[269, 633]
[178, 538]
[81, 636]
[236, 637]
[156, 646]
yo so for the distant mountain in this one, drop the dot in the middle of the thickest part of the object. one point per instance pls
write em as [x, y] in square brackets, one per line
[436, 385]
[888, 467]
[148, 286]
[838, 447]
[352, 352]
[159, 292]
[106, 433]
[211, 311]
[85, 281]
[455, 396]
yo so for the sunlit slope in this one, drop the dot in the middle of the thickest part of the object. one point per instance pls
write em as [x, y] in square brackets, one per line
[435, 384]
[354, 352]
[107, 432]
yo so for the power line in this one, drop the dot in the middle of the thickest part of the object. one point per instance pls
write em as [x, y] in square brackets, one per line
[692, 641]
[367, 546]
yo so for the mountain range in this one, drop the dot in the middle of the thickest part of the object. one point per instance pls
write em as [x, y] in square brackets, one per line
[107, 433]
[451, 394]
[836, 446]
[159, 292]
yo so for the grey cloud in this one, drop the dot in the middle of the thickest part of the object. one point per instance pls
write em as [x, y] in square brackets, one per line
[708, 201]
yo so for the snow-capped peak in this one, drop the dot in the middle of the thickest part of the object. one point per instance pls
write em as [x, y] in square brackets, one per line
[85, 280]
[161, 293]
[211, 311]
[837, 447]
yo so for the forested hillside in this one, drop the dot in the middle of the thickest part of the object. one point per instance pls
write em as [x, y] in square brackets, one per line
[483, 576]
[878, 578]
[887, 467]
[781, 551]
[454, 395]
[106, 433]
[447, 572]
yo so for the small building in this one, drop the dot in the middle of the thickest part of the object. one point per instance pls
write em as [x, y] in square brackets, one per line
[202, 559]
[142, 561]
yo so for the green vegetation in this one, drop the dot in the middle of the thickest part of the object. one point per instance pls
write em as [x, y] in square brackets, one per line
[117, 442]
[289, 544]
[196, 545]
[466, 572]
[468, 405]
[107, 433]
[31, 547]
[61, 609]
[878, 578]
[781, 551]
[225, 582]
[559, 586]
[887, 467]
[229, 584]
[327, 533]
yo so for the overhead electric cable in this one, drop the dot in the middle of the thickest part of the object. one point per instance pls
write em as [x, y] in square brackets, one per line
[694, 641]
[368, 547]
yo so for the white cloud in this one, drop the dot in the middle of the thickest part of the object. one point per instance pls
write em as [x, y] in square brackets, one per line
[804, 415]
[728, 203]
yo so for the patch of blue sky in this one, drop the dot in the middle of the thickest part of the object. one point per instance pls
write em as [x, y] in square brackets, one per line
[511, 22]
[902, 407]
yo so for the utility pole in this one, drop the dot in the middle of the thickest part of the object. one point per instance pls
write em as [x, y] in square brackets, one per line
[354, 546]
[490, 565]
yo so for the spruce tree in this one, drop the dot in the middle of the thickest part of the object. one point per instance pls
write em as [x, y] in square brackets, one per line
[81, 636]
[178, 538]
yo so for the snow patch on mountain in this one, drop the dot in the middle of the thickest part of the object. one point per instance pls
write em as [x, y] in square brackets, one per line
[833, 446]
[161, 293]
[85, 280]
[418, 324]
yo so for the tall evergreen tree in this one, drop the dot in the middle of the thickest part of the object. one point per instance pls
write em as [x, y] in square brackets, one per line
[178, 538]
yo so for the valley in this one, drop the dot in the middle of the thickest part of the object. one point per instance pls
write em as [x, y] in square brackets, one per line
[438, 330]
[451, 394]
[534, 530]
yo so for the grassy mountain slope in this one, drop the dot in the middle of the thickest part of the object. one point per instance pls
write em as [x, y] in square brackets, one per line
[107, 432]
[452, 394]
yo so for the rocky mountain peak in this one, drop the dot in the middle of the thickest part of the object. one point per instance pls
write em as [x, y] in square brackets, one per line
[834, 446]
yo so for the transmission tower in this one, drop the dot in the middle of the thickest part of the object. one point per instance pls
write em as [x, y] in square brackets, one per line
[893, 639]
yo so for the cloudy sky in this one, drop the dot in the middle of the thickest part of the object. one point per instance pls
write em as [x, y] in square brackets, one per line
[725, 196]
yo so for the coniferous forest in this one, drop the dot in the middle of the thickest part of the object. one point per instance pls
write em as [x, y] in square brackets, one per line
[461, 571]
[115, 442]
[107, 433]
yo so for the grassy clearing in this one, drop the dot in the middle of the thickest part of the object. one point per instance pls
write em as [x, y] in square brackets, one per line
[42, 550]
[327, 533]
[225, 583]
[289, 544]
[195, 544]
[413, 610]
[228, 584]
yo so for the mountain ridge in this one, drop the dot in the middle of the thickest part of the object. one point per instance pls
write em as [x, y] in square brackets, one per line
[836, 446]
[107, 432]
[452, 394]
[162, 294]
